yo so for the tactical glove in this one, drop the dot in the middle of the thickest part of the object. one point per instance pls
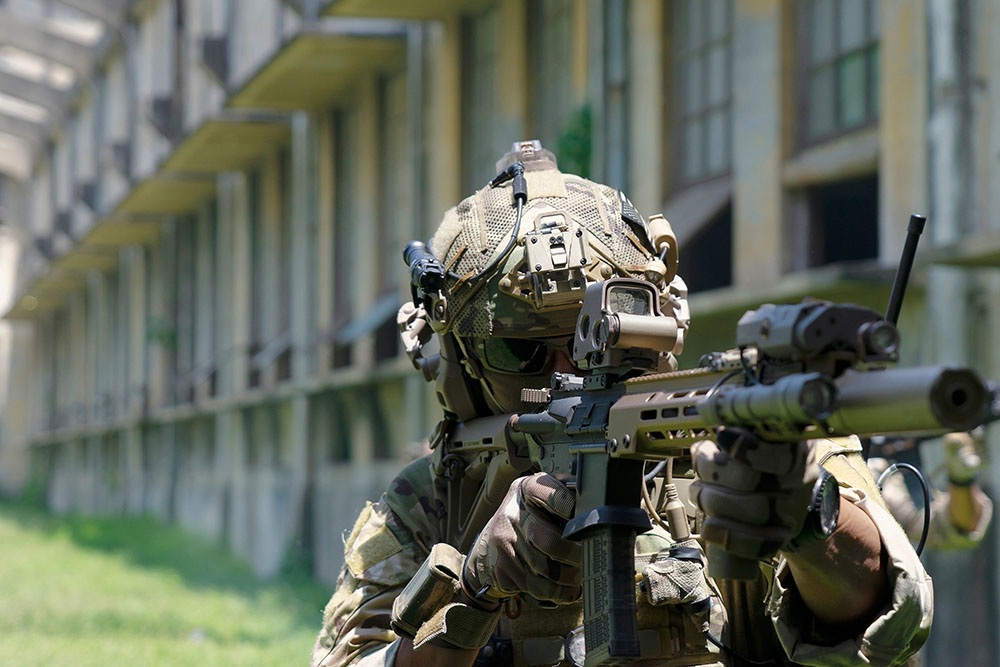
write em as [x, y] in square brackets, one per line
[521, 548]
[964, 463]
[755, 494]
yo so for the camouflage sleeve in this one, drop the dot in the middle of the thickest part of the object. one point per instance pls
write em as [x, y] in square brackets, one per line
[381, 554]
[902, 626]
[944, 534]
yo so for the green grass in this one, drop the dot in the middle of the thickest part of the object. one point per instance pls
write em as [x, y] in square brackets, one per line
[87, 591]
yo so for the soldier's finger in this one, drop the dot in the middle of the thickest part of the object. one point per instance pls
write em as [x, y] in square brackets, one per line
[545, 491]
[716, 467]
[753, 509]
[535, 562]
[544, 589]
[747, 541]
[547, 537]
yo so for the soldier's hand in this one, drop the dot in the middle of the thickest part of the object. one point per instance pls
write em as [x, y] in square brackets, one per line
[964, 462]
[755, 494]
[521, 548]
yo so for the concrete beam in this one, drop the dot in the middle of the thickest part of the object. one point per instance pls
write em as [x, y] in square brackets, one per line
[52, 99]
[31, 132]
[109, 12]
[29, 36]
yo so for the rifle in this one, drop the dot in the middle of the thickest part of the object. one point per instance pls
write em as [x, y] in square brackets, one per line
[809, 370]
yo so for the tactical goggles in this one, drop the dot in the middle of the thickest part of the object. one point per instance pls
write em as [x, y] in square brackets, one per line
[526, 356]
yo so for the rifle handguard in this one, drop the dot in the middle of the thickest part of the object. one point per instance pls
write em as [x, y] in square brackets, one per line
[433, 608]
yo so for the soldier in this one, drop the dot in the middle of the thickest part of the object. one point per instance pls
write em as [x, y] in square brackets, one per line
[860, 596]
[961, 514]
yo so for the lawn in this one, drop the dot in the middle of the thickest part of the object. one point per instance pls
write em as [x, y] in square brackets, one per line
[86, 591]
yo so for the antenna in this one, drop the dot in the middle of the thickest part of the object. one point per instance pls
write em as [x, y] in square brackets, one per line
[913, 232]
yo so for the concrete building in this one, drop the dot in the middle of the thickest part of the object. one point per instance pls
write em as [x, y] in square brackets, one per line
[203, 217]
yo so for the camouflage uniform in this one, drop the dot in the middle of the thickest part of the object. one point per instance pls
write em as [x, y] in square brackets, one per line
[763, 620]
[943, 533]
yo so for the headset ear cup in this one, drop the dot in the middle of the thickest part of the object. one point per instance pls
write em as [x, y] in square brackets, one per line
[457, 391]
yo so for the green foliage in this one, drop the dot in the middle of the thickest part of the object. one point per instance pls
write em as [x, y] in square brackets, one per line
[160, 330]
[574, 145]
[131, 591]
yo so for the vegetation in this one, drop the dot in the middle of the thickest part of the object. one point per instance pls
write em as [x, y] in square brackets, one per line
[573, 148]
[133, 592]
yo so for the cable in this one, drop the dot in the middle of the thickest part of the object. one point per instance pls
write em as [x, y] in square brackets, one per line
[651, 475]
[923, 487]
[515, 172]
[722, 381]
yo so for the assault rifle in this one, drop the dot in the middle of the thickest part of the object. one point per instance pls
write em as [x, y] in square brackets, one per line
[808, 370]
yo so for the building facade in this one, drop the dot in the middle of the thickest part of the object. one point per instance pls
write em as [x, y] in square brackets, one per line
[200, 249]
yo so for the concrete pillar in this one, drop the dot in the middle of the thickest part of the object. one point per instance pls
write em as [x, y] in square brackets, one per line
[95, 333]
[271, 219]
[902, 130]
[131, 444]
[989, 69]
[158, 290]
[230, 457]
[205, 306]
[324, 235]
[303, 236]
[138, 380]
[443, 121]
[298, 464]
[416, 43]
[595, 88]
[512, 70]
[238, 278]
[646, 103]
[757, 141]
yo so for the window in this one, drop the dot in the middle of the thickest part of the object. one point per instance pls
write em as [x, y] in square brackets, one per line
[550, 29]
[708, 257]
[702, 69]
[481, 140]
[843, 221]
[841, 52]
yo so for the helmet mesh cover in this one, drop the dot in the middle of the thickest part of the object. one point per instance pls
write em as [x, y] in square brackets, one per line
[482, 230]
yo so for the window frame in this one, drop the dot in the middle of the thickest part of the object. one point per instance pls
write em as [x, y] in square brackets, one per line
[870, 48]
[679, 54]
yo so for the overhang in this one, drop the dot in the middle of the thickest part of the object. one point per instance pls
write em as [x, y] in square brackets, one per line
[402, 9]
[84, 259]
[975, 252]
[230, 142]
[122, 231]
[321, 63]
[47, 293]
[167, 193]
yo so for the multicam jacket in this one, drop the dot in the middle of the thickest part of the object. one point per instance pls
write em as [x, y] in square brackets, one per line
[763, 621]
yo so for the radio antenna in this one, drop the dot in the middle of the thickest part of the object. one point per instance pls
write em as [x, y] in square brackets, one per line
[913, 232]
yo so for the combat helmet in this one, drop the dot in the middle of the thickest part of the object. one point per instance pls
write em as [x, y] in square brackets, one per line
[515, 260]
